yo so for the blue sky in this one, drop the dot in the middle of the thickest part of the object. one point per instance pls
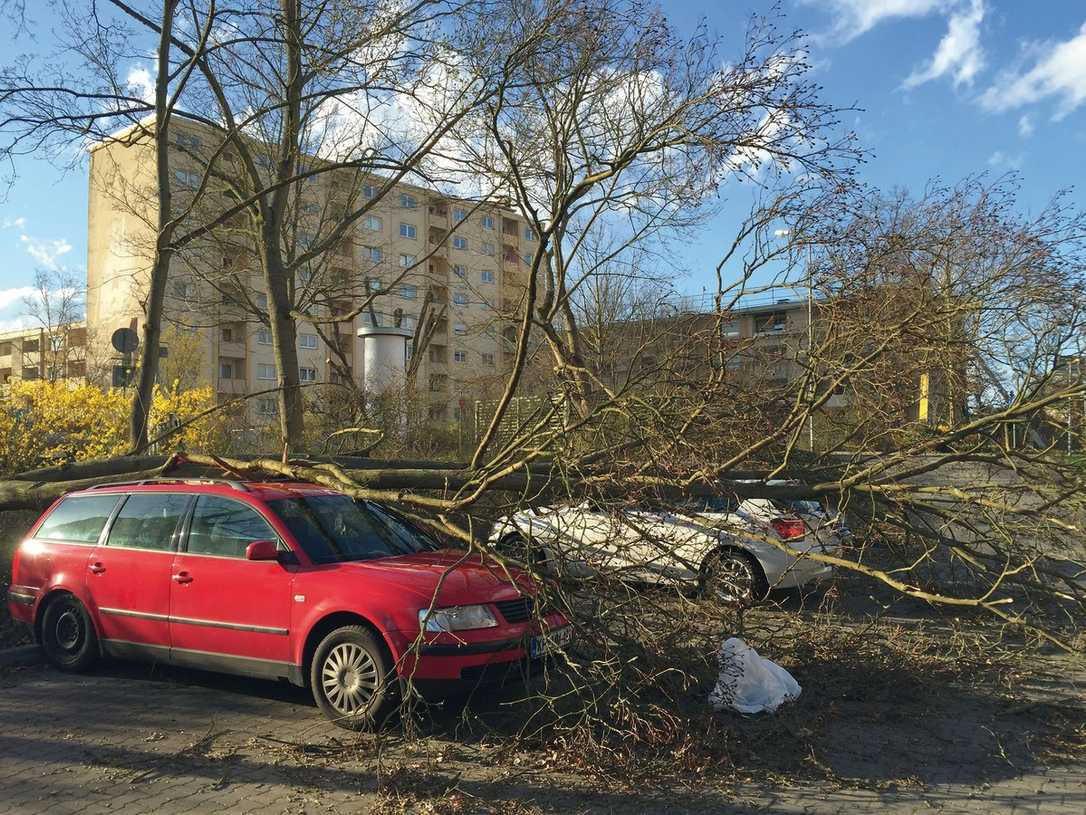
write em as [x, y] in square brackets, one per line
[946, 87]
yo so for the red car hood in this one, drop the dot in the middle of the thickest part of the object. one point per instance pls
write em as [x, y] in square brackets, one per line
[464, 579]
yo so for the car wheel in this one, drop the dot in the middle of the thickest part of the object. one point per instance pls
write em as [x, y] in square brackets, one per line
[67, 635]
[352, 679]
[732, 577]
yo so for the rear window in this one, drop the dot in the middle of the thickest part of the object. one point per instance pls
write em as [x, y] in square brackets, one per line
[78, 519]
[336, 528]
[148, 520]
[717, 503]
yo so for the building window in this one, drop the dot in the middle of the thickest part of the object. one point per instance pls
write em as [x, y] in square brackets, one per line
[460, 243]
[307, 374]
[267, 407]
[409, 291]
[730, 328]
[261, 300]
[407, 230]
[407, 261]
[408, 201]
[305, 240]
[486, 276]
[311, 208]
[263, 336]
[460, 356]
[409, 321]
[189, 179]
[771, 323]
[307, 341]
[184, 290]
[374, 253]
[529, 233]
[226, 370]
[488, 248]
[460, 271]
[373, 223]
[374, 284]
[488, 359]
[459, 329]
[368, 191]
[265, 371]
[527, 260]
[459, 213]
[227, 334]
[488, 222]
[460, 298]
[188, 140]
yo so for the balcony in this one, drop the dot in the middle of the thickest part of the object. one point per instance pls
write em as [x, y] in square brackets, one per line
[233, 387]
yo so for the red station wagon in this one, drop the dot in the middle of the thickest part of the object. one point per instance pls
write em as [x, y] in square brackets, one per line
[273, 580]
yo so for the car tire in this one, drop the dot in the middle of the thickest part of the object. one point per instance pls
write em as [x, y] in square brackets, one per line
[732, 577]
[353, 680]
[68, 637]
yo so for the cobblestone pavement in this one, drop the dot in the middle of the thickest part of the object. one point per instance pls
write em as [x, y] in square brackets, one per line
[131, 739]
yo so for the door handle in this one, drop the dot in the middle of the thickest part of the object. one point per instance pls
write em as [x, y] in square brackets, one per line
[97, 567]
[182, 577]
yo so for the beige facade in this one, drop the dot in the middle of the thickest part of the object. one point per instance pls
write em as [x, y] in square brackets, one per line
[40, 353]
[471, 258]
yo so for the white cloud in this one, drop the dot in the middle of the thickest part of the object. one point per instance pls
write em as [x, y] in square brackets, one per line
[141, 82]
[1059, 72]
[959, 52]
[1025, 126]
[9, 297]
[46, 252]
[856, 17]
[1001, 160]
[13, 223]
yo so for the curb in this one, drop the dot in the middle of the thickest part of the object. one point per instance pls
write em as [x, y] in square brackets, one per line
[21, 655]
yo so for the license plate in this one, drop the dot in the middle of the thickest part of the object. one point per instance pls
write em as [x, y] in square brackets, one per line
[550, 642]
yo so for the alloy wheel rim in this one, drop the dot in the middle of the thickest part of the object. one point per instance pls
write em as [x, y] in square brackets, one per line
[349, 678]
[732, 580]
[69, 631]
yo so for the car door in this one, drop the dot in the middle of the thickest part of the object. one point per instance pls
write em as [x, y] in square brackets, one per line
[591, 535]
[226, 612]
[128, 574]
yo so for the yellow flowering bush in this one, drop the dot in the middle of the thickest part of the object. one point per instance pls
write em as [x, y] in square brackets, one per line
[46, 423]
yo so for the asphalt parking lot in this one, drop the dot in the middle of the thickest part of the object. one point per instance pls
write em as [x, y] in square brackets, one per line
[134, 739]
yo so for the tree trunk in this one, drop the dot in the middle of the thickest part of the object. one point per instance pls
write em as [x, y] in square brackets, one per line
[282, 324]
[160, 267]
[284, 332]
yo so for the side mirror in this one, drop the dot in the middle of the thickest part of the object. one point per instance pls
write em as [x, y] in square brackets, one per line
[262, 550]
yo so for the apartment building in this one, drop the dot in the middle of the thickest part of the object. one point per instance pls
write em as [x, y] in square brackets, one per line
[468, 259]
[41, 353]
[766, 341]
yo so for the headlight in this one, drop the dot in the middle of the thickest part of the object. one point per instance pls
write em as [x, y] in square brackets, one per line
[457, 618]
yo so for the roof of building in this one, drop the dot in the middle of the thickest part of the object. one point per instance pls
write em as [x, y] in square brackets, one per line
[125, 135]
[33, 331]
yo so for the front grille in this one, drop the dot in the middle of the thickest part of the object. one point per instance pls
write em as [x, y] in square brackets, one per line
[516, 611]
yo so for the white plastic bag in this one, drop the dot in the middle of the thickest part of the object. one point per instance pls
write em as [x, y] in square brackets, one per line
[749, 683]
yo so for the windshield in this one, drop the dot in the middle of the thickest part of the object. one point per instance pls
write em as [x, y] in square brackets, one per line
[336, 528]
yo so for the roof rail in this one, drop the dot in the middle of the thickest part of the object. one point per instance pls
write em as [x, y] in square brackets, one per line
[237, 485]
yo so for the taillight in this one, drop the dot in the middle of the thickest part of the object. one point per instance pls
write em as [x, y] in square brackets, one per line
[788, 528]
